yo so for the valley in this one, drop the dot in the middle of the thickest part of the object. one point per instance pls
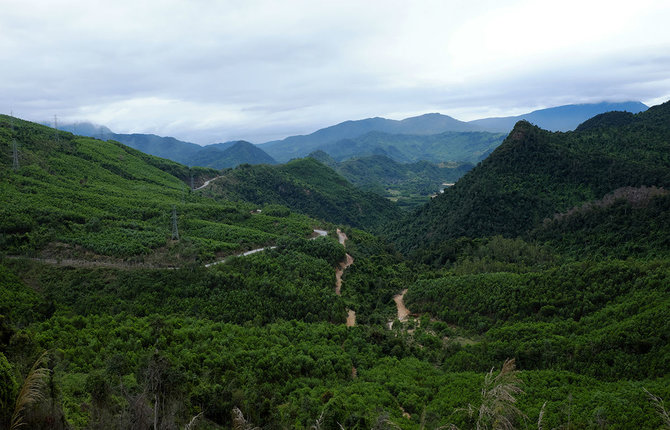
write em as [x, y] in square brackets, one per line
[300, 296]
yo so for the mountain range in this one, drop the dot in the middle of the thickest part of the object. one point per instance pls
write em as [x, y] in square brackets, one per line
[368, 133]
[217, 155]
[432, 137]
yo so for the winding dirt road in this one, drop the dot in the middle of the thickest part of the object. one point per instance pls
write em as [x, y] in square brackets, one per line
[207, 182]
[69, 262]
[348, 261]
[351, 318]
[342, 237]
[403, 312]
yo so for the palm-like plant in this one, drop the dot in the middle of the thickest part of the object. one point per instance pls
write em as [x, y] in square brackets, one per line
[241, 423]
[32, 391]
[497, 410]
[660, 408]
[498, 407]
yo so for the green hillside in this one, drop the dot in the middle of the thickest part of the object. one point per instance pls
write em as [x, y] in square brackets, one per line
[536, 173]
[140, 333]
[75, 196]
[305, 186]
[408, 184]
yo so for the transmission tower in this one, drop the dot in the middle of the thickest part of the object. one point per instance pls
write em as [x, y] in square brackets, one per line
[175, 230]
[15, 155]
[15, 146]
[56, 126]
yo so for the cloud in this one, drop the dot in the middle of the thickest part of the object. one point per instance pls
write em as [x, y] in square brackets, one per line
[208, 71]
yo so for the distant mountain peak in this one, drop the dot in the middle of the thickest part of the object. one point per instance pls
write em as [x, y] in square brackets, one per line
[559, 118]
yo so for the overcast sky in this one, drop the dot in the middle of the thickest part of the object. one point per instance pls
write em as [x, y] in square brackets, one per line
[209, 71]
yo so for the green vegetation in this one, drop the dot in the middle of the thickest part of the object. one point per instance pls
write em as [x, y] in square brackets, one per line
[78, 196]
[535, 174]
[409, 185]
[548, 307]
[345, 134]
[305, 186]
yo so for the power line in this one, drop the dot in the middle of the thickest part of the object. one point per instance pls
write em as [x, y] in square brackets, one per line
[15, 146]
[15, 155]
[175, 230]
[56, 126]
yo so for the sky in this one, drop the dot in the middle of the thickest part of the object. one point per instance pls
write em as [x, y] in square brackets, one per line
[210, 71]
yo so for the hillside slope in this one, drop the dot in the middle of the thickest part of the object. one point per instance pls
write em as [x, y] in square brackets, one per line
[74, 195]
[407, 184]
[306, 186]
[536, 173]
[217, 155]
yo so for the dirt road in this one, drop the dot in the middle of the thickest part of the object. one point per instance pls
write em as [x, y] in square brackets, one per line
[207, 182]
[351, 318]
[348, 261]
[403, 312]
[342, 237]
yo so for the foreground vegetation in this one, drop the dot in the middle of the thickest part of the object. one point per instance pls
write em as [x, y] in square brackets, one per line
[109, 321]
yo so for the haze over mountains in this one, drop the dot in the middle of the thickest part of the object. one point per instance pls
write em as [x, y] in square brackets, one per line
[561, 118]
[430, 137]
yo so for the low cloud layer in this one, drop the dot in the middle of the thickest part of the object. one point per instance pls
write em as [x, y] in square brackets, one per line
[209, 71]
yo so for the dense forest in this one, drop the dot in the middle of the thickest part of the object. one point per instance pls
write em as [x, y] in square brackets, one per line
[535, 174]
[538, 289]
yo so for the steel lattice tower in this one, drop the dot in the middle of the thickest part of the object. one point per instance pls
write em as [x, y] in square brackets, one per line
[175, 229]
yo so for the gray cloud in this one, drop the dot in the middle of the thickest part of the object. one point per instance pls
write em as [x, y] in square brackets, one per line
[209, 71]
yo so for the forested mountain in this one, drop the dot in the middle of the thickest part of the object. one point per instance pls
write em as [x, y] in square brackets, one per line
[408, 140]
[86, 195]
[378, 172]
[305, 186]
[300, 146]
[165, 147]
[559, 118]
[240, 152]
[468, 147]
[536, 173]
[430, 137]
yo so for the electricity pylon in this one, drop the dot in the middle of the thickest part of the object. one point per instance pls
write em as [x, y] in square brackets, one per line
[175, 230]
